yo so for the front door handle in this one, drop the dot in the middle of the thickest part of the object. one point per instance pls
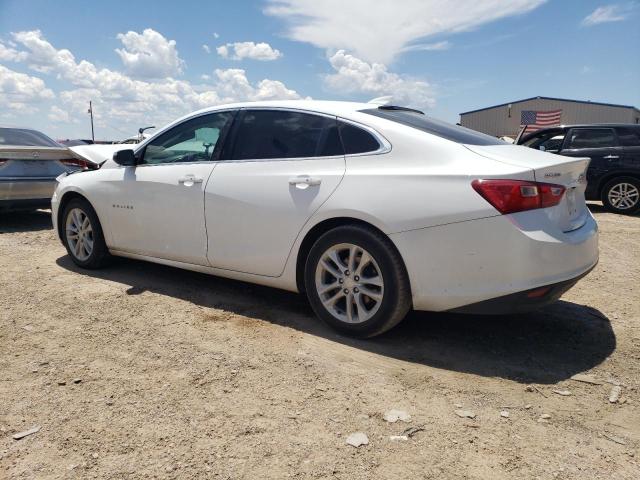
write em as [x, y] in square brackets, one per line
[189, 180]
[304, 181]
[611, 157]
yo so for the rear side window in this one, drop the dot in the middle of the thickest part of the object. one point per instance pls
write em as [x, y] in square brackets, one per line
[629, 136]
[264, 134]
[419, 120]
[357, 140]
[25, 138]
[592, 138]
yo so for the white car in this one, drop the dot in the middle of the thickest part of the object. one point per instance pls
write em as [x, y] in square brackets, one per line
[370, 210]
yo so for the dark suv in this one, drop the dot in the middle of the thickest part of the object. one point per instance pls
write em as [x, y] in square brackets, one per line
[614, 172]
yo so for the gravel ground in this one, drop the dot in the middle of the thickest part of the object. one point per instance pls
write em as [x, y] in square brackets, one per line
[145, 371]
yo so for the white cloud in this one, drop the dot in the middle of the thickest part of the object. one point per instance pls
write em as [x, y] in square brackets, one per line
[255, 51]
[57, 114]
[215, 35]
[606, 14]
[223, 51]
[19, 91]
[233, 86]
[40, 54]
[379, 32]
[206, 48]
[437, 46]
[149, 55]
[9, 54]
[120, 101]
[356, 75]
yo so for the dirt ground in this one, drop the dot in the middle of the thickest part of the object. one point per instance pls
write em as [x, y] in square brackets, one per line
[183, 375]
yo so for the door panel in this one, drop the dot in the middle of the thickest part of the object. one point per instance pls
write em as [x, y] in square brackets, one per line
[157, 207]
[598, 144]
[158, 210]
[255, 209]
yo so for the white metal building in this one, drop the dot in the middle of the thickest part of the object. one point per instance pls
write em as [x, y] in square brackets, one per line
[505, 119]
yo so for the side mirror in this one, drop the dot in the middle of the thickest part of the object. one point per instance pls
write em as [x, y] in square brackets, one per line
[126, 158]
[542, 148]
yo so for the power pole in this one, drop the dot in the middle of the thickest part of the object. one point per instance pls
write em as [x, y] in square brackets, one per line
[90, 112]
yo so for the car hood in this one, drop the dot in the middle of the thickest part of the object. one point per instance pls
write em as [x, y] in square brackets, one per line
[98, 154]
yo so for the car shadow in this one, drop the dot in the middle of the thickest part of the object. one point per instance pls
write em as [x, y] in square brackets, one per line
[31, 221]
[547, 346]
[596, 207]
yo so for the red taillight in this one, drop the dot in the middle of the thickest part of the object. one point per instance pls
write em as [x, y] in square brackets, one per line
[540, 292]
[76, 162]
[510, 196]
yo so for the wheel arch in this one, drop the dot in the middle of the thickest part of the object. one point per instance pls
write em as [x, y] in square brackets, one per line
[66, 198]
[320, 229]
[613, 175]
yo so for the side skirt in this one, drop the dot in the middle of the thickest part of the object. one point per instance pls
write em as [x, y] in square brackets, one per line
[275, 282]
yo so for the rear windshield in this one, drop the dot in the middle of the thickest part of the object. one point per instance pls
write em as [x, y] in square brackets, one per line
[442, 129]
[25, 138]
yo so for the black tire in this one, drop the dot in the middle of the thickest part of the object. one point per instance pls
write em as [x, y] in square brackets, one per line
[616, 182]
[396, 297]
[99, 255]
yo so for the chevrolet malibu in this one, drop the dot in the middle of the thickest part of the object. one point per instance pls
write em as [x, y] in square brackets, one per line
[370, 210]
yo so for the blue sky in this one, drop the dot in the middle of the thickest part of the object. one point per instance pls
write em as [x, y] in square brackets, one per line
[146, 62]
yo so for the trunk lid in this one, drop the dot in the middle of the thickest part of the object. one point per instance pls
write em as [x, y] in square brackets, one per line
[572, 212]
[32, 162]
[11, 152]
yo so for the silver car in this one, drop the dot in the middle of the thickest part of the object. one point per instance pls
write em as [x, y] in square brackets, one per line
[29, 164]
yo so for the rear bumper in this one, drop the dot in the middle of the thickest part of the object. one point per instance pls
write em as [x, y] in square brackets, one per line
[526, 301]
[463, 264]
[17, 191]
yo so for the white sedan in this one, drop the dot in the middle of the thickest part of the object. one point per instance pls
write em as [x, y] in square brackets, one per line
[371, 210]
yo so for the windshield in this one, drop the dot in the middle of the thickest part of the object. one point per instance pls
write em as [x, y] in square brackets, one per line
[419, 120]
[23, 137]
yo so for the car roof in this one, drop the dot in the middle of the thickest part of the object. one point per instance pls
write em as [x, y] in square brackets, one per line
[329, 107]
[592, 125]
[527, 136]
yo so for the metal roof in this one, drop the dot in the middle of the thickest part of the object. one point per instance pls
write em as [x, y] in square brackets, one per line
[550, 98]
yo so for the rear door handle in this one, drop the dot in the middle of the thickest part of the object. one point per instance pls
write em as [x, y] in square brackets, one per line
[189, 180]
[304, 181]
[611, 157]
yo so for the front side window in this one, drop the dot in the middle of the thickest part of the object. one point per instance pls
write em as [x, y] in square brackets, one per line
[264, 134]
[592, 138]
[195, 140]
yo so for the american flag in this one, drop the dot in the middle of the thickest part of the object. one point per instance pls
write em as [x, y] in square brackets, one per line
[534, 120]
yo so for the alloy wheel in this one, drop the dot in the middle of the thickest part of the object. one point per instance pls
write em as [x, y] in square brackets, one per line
[349, 283]
[79, 233]
[623, 196]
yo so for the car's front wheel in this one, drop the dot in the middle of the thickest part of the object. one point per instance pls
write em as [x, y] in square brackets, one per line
[622, 195]
[356, 281]
[82, 235]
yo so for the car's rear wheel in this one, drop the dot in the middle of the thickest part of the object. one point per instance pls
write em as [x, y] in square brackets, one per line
[622, 195]
[356, 281]
[83, 235]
